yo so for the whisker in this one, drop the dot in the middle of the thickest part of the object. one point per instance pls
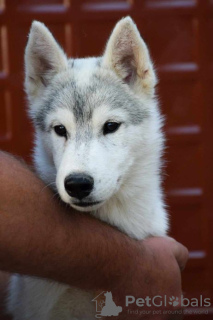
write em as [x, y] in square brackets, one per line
[54, 195]
[48, 185]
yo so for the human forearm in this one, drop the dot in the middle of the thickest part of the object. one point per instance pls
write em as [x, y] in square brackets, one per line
[40, 237]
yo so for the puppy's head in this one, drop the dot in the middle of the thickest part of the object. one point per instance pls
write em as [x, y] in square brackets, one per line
[91, 115]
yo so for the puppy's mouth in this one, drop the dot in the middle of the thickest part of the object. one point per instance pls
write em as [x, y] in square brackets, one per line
[86, 204]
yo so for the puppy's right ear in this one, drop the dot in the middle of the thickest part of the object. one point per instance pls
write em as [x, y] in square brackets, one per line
[128, 56]
[44, 58]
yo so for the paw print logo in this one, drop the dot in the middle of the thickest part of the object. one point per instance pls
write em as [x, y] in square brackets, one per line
[174, 301]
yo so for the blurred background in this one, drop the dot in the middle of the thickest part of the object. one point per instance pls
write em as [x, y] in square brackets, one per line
[179, 36]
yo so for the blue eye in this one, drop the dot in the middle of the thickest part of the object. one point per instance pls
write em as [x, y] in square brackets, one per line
[60, 130]
[110, 127]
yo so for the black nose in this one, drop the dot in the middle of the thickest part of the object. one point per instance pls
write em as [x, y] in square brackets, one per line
[79, 185]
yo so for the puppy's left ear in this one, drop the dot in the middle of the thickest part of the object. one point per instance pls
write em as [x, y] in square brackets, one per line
[127, 55]
[44, 58]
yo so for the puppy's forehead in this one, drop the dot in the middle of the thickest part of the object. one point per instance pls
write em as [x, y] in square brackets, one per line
[85, 64]
[85, 87]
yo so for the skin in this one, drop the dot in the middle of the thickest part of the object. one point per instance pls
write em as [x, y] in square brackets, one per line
[39, 236]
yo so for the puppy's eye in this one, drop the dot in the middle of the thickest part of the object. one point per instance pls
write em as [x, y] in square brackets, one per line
[110, 127]
[60, 130]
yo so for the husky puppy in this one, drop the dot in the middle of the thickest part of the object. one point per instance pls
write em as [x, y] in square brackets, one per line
[98, 137]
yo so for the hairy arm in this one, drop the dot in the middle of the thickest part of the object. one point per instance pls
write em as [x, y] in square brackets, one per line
[40, 237]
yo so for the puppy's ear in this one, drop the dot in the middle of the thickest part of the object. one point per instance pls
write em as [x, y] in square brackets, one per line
[127, 55]
[44, 58]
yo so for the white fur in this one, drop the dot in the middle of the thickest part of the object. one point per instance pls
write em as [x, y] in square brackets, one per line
[125, 165]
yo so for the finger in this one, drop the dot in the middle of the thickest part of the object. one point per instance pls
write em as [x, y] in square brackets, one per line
[181, 254]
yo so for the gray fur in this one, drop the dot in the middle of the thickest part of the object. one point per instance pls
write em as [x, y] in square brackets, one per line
[84, 99]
